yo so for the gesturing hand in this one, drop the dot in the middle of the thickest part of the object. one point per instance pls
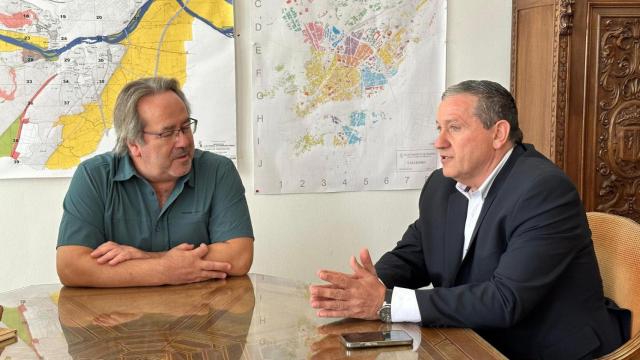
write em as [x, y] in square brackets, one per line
[113, 253]
[186, 264]
[359, 295]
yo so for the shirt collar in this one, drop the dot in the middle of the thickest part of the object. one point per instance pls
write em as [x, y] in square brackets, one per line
[125, 169]
[191, 176]
[486, 185]
[189, 179]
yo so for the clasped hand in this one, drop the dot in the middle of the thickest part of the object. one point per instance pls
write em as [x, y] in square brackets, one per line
[113, 253]
[359, 295]
[182, 264]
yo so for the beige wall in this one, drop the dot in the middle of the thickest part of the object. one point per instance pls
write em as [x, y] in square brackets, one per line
[295, 234]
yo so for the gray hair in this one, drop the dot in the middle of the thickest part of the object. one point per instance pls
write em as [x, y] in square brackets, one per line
[494, 103]
[126, 120]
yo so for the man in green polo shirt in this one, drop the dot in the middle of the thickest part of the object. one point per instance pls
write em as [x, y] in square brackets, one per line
[155, 210]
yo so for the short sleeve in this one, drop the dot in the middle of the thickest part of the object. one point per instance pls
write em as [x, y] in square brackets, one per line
[230, 214]
[83, 211]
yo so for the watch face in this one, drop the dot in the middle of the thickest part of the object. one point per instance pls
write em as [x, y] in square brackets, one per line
[385, 313]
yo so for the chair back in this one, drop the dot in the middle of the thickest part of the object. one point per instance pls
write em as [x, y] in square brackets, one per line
[616, 240]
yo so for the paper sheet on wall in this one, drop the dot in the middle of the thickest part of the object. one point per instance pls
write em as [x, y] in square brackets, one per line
[345, 93]
[63, 63]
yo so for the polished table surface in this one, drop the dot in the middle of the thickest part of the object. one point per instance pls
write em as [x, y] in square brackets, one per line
[250, 317]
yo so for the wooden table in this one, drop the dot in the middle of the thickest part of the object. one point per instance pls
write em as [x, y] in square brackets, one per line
[250, 317]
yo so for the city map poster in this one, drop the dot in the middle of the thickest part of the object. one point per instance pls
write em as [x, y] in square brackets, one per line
[63, 63]
[345, 93]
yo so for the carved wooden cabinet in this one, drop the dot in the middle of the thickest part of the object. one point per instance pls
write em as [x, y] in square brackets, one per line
[575, 75]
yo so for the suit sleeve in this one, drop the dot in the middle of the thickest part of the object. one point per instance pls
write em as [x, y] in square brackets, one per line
[546, 230]
[404, 266]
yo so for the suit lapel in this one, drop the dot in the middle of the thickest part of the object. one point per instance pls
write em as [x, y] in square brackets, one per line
[495, 189]
[454, 236]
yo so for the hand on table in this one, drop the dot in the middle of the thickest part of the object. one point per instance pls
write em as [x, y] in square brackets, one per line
[113, 253]
[358, 295]
[186, 264]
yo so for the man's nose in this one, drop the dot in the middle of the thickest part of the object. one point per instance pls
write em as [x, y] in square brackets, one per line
[441, 141]
[183, 138]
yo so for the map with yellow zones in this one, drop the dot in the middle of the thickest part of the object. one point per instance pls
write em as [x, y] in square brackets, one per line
[62, 65]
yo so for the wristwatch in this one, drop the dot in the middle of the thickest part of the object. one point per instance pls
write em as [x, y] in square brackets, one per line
[385, 310]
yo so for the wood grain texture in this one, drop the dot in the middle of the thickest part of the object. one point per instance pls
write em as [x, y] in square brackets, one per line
[576, 80]
[250, 317]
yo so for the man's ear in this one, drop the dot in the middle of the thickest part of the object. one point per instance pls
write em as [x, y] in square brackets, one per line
[134, 149]
[501, 133]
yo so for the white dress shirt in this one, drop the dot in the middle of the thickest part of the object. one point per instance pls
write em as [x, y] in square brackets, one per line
[404, 303]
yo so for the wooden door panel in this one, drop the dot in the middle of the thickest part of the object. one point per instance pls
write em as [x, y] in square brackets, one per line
[612, 126]
[576, 78]
[535, 73]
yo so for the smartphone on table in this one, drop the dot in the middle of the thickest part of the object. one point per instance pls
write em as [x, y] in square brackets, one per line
[375, 338]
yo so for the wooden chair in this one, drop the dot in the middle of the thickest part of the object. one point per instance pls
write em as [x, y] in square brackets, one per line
[617, 244]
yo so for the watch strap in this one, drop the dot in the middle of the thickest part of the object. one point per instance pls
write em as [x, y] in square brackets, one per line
[388, 294]
[385, 310]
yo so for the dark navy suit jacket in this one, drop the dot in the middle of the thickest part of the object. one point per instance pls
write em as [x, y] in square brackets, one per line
[529, 283]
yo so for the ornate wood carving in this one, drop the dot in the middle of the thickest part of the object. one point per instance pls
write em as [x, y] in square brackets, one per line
[559, 91]
[514, 47]
[618, 130]
[566, 16]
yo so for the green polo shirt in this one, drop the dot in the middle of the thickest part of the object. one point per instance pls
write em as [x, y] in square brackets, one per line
[108, 200]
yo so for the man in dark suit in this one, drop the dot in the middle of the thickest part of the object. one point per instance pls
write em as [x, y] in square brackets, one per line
[502, 237]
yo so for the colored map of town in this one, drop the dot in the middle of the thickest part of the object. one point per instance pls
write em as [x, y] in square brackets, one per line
[62, 65]
[348, 62]
[343, 78]
[37, 325]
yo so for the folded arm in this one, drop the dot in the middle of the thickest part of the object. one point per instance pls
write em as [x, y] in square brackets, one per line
[180, 265]
[238, 252]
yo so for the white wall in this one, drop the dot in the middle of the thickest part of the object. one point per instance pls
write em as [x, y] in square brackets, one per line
[295, 234]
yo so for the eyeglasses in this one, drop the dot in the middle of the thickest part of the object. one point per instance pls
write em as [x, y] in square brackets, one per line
[186, 129]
